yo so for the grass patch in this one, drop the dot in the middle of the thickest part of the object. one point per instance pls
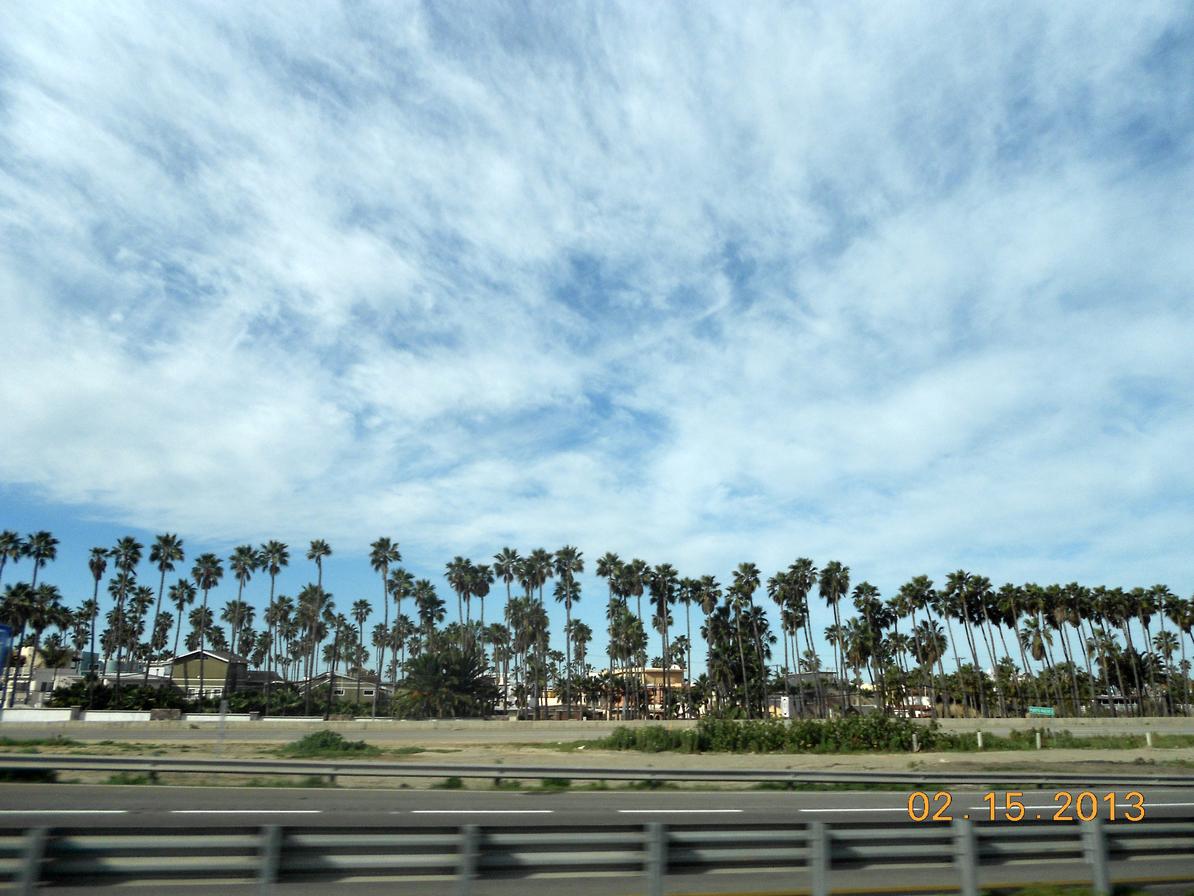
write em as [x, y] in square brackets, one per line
[555, 784]
[327, 744]
[33, 744]
[506, 784]
[130, 778]
[309, 781]
[452, 783]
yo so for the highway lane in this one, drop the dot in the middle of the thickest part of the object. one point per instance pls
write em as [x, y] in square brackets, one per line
[77, 805]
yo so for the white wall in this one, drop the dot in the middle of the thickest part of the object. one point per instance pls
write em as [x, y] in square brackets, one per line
[18, 714]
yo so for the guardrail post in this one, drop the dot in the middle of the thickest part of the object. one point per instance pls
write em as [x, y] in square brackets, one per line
[820, 858]
[966, 856]
[656, 858]
[33, 853]
[271, 855]
[466, 862]
[1094, 847]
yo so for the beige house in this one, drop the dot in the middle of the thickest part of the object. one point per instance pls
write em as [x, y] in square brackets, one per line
[654, 679]
[223, 673]
[344, 687]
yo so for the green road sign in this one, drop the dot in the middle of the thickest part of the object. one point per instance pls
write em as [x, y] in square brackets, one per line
[1041, 711]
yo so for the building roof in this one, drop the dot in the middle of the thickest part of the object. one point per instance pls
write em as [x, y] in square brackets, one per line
[223, 655]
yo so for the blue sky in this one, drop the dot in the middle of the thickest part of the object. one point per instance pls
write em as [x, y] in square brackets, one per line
[903, 285]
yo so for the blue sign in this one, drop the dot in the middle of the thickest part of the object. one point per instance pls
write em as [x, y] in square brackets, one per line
[5, 645]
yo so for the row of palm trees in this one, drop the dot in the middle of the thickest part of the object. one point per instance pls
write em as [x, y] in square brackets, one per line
[1069, 645]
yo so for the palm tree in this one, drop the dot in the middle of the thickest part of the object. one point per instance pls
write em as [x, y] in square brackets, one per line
[569, 563]
[834, 585]
[401, 586]
[274, 555]
[207, 573]
[182, 595]
[430, 608]
[480, 581]
[632, 580]
[318, 550]
[15, 611]
[662, 585]
[458, 573]
[125, 557]
[505, 566]
[42, 548]
[11, 548]
[314, 610]
[361, 609]
[243, 561]
[45, 610]
[383, 552]
[166, 551]
[98, 564]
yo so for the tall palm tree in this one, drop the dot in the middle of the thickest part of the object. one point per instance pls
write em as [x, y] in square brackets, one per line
[319, 550]
[165, 552]
[42, 548]
[274, 556]
[361, 609]
[11, 549]
[401, 586]
[243, 562]
[125, 557]
[662, 583]
[45, 610]
[505, 567]
[182, 595]
[569, 562]
[15, 611]
[480, 581]
[383, 552]
[458, 573]
[835, 585]
[98, 564]
[632, 582]
[207, 572]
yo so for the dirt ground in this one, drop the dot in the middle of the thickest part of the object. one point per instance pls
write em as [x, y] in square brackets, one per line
[443, 749]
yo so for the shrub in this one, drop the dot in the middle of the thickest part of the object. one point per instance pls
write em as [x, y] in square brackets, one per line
[327, 743]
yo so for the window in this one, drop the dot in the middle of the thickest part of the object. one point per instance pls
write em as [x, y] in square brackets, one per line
[368, 693]
[339, 692]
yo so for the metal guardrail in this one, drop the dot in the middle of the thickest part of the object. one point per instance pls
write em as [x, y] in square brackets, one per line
[824, 856]
[911, 778]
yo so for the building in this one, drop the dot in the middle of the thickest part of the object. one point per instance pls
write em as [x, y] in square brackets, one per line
[345, 687]
[656, 680]
[223, 673]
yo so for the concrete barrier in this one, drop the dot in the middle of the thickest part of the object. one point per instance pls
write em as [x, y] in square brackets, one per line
[16, 715]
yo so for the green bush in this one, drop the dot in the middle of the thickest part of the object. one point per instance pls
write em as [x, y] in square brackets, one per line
[853, 734]
[327, 743]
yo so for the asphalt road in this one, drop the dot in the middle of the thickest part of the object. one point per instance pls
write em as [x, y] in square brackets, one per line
[150, 808]
[78, 805]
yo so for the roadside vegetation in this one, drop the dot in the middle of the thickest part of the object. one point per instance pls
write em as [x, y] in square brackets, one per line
[853, 734]
[327, 745]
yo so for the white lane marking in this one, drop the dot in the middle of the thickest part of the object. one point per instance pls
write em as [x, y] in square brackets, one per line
[1155, 805]
[478, 812]
[678, 811]
[245, 811]
[64, 811]
[876, 809]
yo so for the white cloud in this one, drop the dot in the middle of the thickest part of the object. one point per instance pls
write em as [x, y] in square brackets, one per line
[905, 287]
